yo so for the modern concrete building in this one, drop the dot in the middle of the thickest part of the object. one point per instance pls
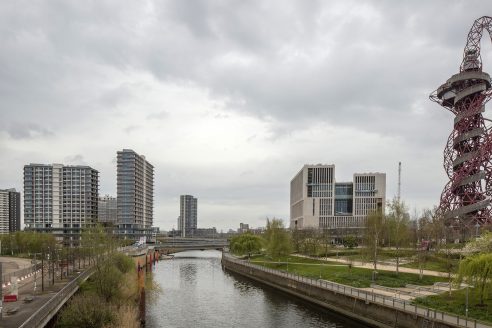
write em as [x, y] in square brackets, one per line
[188, 212]
[60, 198]
[9, 211]
[134, 194]
[243, 227]
[318, 201]
[108, 210]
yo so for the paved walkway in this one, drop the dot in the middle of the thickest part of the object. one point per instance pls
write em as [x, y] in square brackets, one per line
[384, 267]
[10, 264]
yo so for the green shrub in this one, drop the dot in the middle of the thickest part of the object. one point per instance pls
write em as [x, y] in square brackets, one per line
[123, 263]
[86, 311]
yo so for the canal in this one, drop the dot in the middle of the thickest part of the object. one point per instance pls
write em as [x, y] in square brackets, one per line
[196, 292]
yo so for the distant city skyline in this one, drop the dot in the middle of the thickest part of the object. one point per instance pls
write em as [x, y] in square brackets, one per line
[227, 100]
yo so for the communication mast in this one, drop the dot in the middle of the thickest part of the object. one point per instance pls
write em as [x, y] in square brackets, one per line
[399, 181]
[466, 198]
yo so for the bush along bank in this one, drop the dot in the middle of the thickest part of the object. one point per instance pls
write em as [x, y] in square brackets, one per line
[109, 298]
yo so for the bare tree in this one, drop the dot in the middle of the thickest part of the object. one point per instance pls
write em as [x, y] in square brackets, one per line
[373, 232]
[398, 222]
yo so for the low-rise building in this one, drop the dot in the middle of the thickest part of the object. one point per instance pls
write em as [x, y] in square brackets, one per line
[318, 201]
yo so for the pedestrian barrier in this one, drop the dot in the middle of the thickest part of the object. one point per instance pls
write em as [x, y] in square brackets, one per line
[20, 274]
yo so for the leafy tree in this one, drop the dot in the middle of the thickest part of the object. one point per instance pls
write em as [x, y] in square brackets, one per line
[398, 225]
[96, 241]
[372, 238]
[246, 243]
[477, 270]
[26, 242]
[278, 239]
[107, 279]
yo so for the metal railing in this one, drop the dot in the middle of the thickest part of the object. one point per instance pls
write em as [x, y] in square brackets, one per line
[53, 304]
[367, 296]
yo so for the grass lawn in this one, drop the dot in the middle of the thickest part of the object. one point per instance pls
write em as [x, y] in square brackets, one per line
[456, 304]
[290, 259]
[332, 271]
[433, 265]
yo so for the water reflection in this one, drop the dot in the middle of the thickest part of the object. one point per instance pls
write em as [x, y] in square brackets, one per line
[197, 293]
[187, 272]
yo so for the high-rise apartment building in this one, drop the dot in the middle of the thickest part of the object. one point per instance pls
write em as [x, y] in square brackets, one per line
[134, 193]
[9, 211]
[60, 198]
[318, 201]
[108, 210]
[188, 212]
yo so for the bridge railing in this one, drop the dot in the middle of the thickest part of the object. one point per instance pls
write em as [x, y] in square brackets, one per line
[49, 309]
[367, 296]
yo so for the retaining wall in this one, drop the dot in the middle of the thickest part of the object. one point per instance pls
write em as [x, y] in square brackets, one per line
[370, 308]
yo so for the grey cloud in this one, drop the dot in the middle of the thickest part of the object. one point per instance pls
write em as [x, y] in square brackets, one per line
[20, 130]
[77, 159]
[131, 128]
[158, 115]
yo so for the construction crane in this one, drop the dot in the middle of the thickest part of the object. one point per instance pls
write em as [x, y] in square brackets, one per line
[466, 199]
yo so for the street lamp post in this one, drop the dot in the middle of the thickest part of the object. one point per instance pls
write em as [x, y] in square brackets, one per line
[466, 310]
[477, 226]
[35, 273]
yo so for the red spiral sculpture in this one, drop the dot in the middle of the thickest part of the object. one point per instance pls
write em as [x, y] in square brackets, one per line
[466, 198]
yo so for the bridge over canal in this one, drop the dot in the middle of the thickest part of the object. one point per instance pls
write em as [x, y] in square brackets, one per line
[175, 245]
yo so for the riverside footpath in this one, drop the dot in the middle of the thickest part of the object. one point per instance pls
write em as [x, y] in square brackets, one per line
[365, 306]
[381, 266]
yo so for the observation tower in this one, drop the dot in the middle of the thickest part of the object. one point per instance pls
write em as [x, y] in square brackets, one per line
[466, 199]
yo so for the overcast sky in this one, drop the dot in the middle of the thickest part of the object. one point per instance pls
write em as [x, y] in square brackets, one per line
[228, 99]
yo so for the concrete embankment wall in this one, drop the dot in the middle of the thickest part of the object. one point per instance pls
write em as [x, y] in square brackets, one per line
[359, 307]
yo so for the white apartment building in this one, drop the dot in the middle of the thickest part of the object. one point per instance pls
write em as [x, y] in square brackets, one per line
[60, 198]
[4, 212]
[107, 210]
[318, 201]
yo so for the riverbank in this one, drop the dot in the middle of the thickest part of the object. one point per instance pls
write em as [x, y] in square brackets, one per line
[370, 308]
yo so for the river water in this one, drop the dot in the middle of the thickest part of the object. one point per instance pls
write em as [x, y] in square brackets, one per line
[196, 292]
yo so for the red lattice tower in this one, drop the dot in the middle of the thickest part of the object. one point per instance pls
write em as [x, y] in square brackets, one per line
[466, 198]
